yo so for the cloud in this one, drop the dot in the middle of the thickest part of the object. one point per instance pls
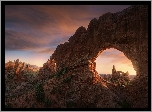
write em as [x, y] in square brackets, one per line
[47, 19]
[38, 29]
[55, 18]
[29, 27]
[20, 41]
[27, 19]
[32, 26]
[17, 41]
[44, 50]
[48, 50]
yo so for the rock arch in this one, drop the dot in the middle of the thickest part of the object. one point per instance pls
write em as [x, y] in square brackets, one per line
[126, 31]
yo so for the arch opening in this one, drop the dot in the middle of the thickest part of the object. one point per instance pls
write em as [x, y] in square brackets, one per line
[112, 61]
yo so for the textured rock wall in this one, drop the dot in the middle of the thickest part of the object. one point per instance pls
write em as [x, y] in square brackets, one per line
[126, 31]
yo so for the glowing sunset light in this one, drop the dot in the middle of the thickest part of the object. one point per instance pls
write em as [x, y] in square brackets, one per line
[32, 32]
[110, 57]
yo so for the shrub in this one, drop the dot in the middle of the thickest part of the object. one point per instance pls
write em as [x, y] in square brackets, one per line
[60, 72]
[53, 91]
[67, 79]
[10, 76]
[32, 106]
[47, 102]
[26, 98]
[70, 104]
[70, 93]
[123, 103]
[39, 93]
[64, 70]
[34, 82]
[8, 105]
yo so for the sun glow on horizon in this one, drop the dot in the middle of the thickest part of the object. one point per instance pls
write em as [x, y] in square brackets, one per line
[27, 57]
[110, 57]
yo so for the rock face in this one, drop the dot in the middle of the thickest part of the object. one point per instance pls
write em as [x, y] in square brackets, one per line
[120, 77]
[74, 81]
[126, 31]
[113, 70]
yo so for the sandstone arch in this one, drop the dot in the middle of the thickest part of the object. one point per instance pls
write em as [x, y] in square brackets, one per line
[126, 31]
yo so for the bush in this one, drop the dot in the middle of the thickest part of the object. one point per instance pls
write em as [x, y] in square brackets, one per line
[39, 93]
[32, 106]
[123, 103]
[53, 91]
[70, 104]
[34, 82]
[67, 79]
[26, 98]
[47, 102]
[10, 76]
[60, 72]
[8, 105]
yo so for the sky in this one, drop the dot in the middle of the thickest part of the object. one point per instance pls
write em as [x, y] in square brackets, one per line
[32, 32]
[110, 57]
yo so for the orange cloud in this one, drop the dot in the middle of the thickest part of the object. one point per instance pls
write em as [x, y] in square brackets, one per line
[44, 50]
[21, 41]
[42, 24]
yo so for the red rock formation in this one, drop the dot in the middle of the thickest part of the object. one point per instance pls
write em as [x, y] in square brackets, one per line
[126, 31]
[77, 84]
[113, 70]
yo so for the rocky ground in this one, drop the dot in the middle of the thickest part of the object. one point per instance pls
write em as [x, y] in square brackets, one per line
[69, 79]
[73, 87]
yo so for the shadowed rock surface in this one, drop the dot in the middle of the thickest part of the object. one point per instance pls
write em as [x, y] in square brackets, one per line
[70, 79]
[126, 31]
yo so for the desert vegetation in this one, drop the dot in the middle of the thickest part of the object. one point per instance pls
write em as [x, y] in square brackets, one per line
[59, 89]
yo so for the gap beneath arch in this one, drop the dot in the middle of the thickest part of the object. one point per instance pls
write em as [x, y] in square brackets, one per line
[110, 57]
